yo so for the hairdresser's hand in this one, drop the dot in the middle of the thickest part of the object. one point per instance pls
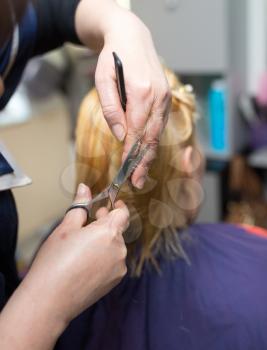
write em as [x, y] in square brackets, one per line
[83, 263]
[74, 268]
[148, 95]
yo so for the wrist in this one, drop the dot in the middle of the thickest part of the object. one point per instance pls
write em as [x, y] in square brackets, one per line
[37, 323]
[90, 21]
[126, 25]
[43, 305]
[95, 25]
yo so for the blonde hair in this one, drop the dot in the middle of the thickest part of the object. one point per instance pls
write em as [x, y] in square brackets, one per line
[156, 213]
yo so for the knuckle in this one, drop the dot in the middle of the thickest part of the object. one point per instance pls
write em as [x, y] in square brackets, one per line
[152, 143]
[167, 95]
[164, 96]
[123, 252]
[144, 90]
[134, 133]
[127, 223]
[126, 218]
[62, 228]
[61, 232]
[100, 232]
[114, 230]
[124, 271]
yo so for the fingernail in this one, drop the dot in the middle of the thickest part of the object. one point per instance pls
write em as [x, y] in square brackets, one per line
[82, 190]
[140, 183]
[118, 131]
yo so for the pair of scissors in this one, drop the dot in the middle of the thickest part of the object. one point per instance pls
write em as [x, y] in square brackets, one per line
[132, 160]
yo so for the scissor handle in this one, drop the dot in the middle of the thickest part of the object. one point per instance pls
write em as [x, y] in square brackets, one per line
[120, 80]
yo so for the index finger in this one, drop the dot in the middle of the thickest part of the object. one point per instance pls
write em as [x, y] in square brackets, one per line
[156, 123]
[119, 218]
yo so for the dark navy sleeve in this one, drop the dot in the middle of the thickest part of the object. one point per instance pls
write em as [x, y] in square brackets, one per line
[55, 24]
[9, 279]
[27, 29]
[46, 25]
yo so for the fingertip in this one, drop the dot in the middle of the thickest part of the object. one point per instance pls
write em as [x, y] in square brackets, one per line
[140, 183]
[124, 212]
[118, 131]
[101, 213]
[83, 192]
[121, 211]
[139, 177]
[120, 204]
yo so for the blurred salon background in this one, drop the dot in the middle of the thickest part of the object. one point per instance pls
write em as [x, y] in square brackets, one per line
[217, 46]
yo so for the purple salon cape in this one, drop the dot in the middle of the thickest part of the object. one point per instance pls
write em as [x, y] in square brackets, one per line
[217, 302]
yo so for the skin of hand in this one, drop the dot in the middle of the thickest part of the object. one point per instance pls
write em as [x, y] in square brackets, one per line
[75, 267]
[107, 28]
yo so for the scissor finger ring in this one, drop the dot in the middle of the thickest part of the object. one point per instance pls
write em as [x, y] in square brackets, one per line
[83, 206]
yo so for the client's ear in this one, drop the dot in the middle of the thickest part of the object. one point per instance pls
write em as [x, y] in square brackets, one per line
[192, 162]
[187, 160]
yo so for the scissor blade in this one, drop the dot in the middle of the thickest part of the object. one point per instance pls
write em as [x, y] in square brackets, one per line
[131, 162]
[102, 195]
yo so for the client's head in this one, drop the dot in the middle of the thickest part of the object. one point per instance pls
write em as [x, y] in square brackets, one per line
[172, 193]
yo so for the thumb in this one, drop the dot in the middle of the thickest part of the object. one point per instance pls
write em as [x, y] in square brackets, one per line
[111, 106]
[77, 218]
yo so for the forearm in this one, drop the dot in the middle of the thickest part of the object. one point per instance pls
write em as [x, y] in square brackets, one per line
[77, 21]
[29, 322]
[95, 18]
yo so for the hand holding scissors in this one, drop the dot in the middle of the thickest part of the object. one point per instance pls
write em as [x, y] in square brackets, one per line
[132, 160]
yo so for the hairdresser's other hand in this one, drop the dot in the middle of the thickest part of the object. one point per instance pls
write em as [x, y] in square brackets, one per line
[148, 95]
[83, 263]
[74, 268]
